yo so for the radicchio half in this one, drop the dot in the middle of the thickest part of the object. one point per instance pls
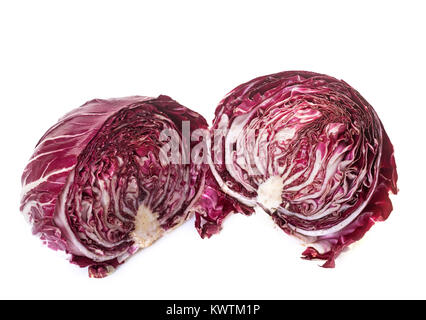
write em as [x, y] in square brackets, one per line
[97, 186]
[310, 151]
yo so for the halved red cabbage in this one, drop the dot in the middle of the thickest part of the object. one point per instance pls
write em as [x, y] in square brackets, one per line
[98, 187]
[310, 151]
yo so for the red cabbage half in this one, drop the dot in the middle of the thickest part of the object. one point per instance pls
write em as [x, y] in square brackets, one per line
[310, 151]
[98, 187]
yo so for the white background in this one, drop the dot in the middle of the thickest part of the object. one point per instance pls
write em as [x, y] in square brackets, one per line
[55, 55]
